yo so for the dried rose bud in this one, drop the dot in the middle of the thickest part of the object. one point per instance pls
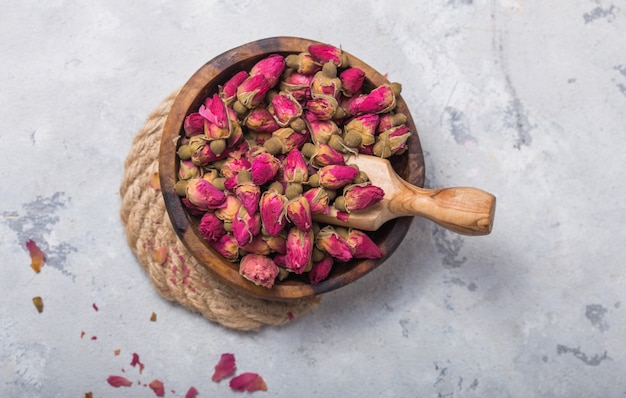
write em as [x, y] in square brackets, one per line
[362, 245]
[247, 192]
[318, 200]
[227, 247]
[211, 228]
[246, 226]
[273, 212]
[298, 85]
[337, 176]
[214, 110]
[284, 108]
[299, 249]
[365, 126]
[322, 53]
[229, 210]
[332, 243]
[326, 82]
[276, 243]
[194, 124]
[203, 194]
[295, 167]
[233, 166]
[258, 245]
[320, 270]
[252, 91]
[258, 269]
[389, 120]
[380, 100]
[260, 120]
[322, 107]
[270, 67]
[391, 141]
[321, 130]
[303, 63]
[191, 208]
[351, 80]
[326, 155]
[284, 140]
[188, 170]
[361, 196]
[264, 168]
[299, 213]
[228, 91]
[201, 152]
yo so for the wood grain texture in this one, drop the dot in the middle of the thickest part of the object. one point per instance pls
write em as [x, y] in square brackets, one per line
[409, 166]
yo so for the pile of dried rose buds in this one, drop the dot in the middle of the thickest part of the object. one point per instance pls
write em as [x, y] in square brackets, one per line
[265, 154]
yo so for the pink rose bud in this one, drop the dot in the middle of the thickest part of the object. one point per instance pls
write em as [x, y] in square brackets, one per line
[258, 269]
[327, 156]
[280, 260]
[331, 242]
[326, 82]
[277, 243]
[188, 170]
[264, 168]
[321, 130]
[297, 85]
[318, 200]
[192, 209]
[322, 107]
[379, 100]
[271, 68]
[252, 91]
[389, 120]
[361, 196]
[337, 176]
[351, 80]
[246, 226]
[211, 228]
[322, 53]
[391, 141]
[247, 192]
[362, 245]
[320, 270]
[194, 124]
[201, 153]
[295, 167]
[230, 209]
[284, 140]
[258, 245]
[299, 213]
[260, 120]
[273, 212]
[228, 91]
[299, 249]
[203, 194]
[232, 166]
[227, 247]
[214, 110]
[365, 126]
[284, 108]
[303, 63]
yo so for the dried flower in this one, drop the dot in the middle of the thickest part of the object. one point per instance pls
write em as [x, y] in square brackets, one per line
[192, 392]
[322, 53]
[365, 126]
[362, 246]
[389, 120]
[37, 258]
[227, 247]
[320, 269]
[284, 108]
[193, 124]
[258, 245]
[380, 100]
[260, 120]
[247, 192]
[252, 91]
[318, 200]
[332, 243]
[299, 249]
[321, 130]
[270, 67]
[299, 213]
[264, 168]
[337, 176]
[273, 212]
[229, 210]
[203, 194]
[217, 122]
[351, 80]
[225, 367]
[246, 226]
[202, 153]
[232, 166]
[258, 269]
[157, 386]
[119, 381]
[248, 382]
[295, 167]
[284, 140]
[211, 227]
[303, 63]
[276, 243]
[323, 107]
[298, 85]
[38, 301]
[228, 91]
[361, 196]
[326, 82]
[325, 155]
[391, 141]
[188, 170]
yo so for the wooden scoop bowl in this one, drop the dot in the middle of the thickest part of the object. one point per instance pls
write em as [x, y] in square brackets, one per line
[464, 210]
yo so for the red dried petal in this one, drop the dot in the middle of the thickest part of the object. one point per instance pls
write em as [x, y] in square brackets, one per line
[192, 392]
[95, 307]
[225, 367]
[248, 382]
[37, 258]
[119, 381]
[157, 386]
[136, 362]
[160, 255]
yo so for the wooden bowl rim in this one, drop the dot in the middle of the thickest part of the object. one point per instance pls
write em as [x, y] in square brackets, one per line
[180, 219]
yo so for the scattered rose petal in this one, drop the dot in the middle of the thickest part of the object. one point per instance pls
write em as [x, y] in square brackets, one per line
[95, 307]
[94, 337]
[192, 392]
[136, 362]
[160, 255]
[119, 381]
[157, 386]
[290, 315]
[225, 367]
[153, 317]
[117, 352]
[38, 304]
[89, 394]
[37, 257]
[82, 334]
[248, 382]
[155, 183]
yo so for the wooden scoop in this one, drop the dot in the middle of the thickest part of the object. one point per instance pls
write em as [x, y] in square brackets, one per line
[465, 210]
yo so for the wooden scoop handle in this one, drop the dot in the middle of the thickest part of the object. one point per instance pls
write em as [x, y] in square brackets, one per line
[465, 210]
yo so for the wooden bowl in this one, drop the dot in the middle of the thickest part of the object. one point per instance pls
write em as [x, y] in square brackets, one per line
[204, 83]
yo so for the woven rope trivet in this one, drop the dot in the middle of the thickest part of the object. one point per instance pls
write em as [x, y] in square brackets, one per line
[180, 278]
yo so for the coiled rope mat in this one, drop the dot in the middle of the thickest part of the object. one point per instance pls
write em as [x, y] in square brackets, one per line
[179, 277]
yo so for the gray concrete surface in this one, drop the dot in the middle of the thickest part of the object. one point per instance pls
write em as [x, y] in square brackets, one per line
[525, 99]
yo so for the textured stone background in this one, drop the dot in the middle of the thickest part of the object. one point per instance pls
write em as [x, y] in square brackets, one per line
[525, 99]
